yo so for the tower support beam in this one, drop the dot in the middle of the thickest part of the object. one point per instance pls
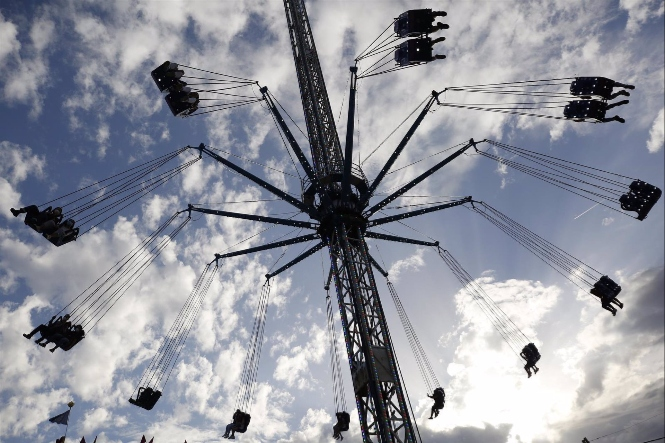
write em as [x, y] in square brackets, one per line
[321, 130]
[378, 388]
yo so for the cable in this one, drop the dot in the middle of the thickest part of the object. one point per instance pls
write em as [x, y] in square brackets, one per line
[628, 427]
[570, 267]
[288, 115]
[216, 73]
[168, 157]
[251, 363]
[425, 158]
[288, 151]
[107, 290]
[394, 130]
[512, 335]
[370, 45]
[251, 161]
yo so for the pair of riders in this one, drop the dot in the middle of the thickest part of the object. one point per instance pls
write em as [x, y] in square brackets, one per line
[239, 424]
[58, 331]
[343, 421]
[640, 198]
[48, 223]
[607, 290]
[531, 355]
[45, 221]
[439, 397]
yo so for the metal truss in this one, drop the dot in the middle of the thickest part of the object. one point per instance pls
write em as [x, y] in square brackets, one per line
[323, 138]
[377, 385]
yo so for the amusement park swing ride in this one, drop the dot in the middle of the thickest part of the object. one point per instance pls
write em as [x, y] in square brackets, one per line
[344, 209]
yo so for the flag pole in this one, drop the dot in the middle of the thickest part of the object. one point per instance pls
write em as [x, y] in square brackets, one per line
[71, 405]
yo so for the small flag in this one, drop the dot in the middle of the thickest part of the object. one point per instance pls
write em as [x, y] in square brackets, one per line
[143, 440]
[61, 419]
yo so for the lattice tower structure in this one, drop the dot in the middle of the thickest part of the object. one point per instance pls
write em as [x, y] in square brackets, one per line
[378, 387]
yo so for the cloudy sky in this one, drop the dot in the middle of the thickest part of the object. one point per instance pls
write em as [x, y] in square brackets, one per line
[78, 105]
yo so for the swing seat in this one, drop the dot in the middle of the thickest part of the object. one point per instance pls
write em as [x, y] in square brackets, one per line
[606, 285]
[585, 109]
[178, 103]
[588, 86]
[414, 23]
[343, 421]
[641, 198]
[242, 423]
[146, 398]
[67, 238]
[71, 338]
[414, 52]
[167, 77]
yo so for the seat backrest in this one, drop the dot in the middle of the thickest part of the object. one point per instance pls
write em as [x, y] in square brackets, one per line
[244, 423]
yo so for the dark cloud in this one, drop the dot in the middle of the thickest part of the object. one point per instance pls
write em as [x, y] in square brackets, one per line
[643, 296]
[349, 48]
[595, 368]
[468, 434]
[636, 419]
[640, 326]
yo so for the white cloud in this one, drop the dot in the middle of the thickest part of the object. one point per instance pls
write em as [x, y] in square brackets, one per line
[315, 426]
[608, 221]
[16, 164]
[657, 133]
[144, 140]
[29, 73]
[640, 11]
[102, 138]
[411, 264]
[157, 207]
[9, 44]
[294, 368]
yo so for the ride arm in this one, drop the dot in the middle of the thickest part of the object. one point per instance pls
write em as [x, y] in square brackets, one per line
[395, 238]
[264, 184]
[330, 276]
[261, 218]
[348, 149]
[381, 221]
[376, 265]
[296, 260]
[419, 179]
[400, 148]
[291, 241]
[289, 137]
